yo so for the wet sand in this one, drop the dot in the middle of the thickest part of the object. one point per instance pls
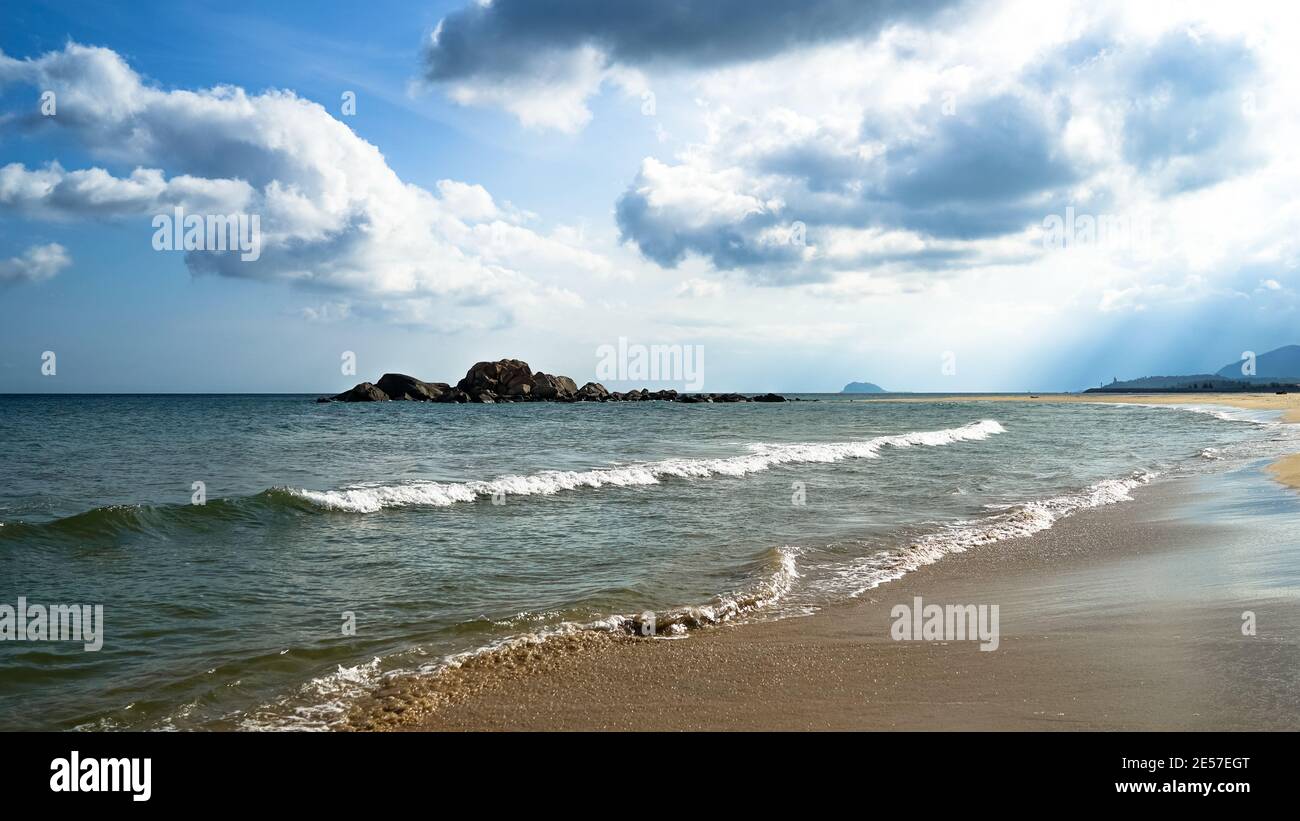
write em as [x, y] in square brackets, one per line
[1287, 470]
[1123, 617]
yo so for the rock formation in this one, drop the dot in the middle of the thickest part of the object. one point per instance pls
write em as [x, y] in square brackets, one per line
[512, 380]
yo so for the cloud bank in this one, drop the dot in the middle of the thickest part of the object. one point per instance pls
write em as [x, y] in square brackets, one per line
[334, 215]
[543, 60]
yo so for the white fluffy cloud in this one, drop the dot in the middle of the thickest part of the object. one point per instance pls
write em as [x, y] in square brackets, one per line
[39, 262]
[53, 193]
[923, 152]
[910, 145]
[901, 171]
[333, 213]
[865, 179]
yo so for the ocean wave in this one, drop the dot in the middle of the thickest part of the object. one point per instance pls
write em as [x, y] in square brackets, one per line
[111, 521]
[373, 498]
[1010, 522]
[1225, 413]
[367, 696]
[438, 683]
[365, 693]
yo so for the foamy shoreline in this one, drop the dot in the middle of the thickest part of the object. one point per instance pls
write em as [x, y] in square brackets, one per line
[1091, 639]
[826, 671]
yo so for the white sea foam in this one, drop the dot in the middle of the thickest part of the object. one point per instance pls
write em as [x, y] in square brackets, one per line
[373, 498]
[327, 697]
[772, 585]
[323, 702]
[1226, 413]
[1281, 438]
[1012, 521]
[779, 573]
[320, 704]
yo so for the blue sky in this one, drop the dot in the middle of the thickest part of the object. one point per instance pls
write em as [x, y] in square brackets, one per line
[814, 193]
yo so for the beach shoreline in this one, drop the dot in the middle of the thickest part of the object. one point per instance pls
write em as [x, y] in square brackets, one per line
[1109, 621]
[1287, 403]
[1285, 470]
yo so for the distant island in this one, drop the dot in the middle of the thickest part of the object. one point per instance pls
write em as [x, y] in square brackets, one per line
[863, 387]
[1276, 370]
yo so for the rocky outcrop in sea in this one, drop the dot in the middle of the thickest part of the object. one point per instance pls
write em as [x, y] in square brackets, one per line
[512, 380]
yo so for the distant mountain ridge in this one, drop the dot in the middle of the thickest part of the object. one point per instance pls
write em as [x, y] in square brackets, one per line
[863, 387]
[1278, 368]
[1281, 363]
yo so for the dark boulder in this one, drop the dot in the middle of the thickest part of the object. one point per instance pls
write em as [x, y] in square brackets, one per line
[518, 378]
[592, 392]
[546, 386]
[769, 397]
[497, 377]
[365, 392]
[401, 386]
[566, 386]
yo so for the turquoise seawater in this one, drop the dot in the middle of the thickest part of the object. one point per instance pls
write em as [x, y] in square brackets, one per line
[442, 529]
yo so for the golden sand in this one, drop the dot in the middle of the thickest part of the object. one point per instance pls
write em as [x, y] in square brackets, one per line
[1287, 470]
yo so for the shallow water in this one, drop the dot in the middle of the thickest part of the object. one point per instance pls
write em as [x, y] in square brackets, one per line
[447, 528]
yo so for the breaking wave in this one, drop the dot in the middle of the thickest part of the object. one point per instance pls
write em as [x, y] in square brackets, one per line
[1010, 522]
[373, 498]
[338, 699]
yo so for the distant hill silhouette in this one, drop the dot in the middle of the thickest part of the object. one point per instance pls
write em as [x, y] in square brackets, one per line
[1281, 363]
[1278, 369]
[863, 387]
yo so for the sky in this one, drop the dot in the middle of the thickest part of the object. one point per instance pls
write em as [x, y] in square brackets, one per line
[931, 196]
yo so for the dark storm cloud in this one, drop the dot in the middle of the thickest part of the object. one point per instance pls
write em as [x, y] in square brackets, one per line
[509, 37]
[666, 240]
[991, 170]
[980, 173]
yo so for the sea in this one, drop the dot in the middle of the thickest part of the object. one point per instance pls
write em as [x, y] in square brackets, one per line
[264, 561]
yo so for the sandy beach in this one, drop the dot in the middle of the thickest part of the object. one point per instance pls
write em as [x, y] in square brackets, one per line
[1123, 617]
